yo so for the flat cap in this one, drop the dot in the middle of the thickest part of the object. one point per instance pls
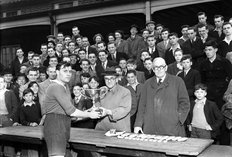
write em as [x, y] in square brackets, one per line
[150, 22]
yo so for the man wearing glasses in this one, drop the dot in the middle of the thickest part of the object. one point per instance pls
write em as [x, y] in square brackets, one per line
[164, 103]
[116, 105]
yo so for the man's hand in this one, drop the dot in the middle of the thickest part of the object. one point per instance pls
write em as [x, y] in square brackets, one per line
[138, 130]
[93, 114]
[16, 124]
[105, 112]
[33, 124]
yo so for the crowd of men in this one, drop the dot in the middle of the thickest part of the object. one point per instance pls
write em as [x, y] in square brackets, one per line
[159, 70]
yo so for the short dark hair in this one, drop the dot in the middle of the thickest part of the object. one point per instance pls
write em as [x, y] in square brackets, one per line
[201, 13]
[82, 60]
[32, 69]
[31, 52]
[151, 36]
[179, 50]
[85, 75]
[101, 42]
[200, 25]
[147, 59]
[200, 86]
[131, 72]
[165, 29]
[192, 28]
[111, 42]
[158, 25]
[184, 26]
[110, 34]
[226, 23]
[185, 57]
[28, 90]
[143, 30]
[173, 34]
[212, 43]
[53, 57]
[120, 32]
[94, 78]
[81, 49]
[131, 61]
[63, 65]
[32, 83]
[36, 55]
[219, 16]
[106, 52]
[122, 59]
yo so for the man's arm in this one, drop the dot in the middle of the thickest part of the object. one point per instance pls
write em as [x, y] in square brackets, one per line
[123, 108]
[183, 101]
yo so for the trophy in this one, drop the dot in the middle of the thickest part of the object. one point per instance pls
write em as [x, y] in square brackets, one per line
[94, 94]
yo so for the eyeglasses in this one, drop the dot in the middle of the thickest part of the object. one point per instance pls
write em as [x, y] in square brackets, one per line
[159, 67]
[110, 79]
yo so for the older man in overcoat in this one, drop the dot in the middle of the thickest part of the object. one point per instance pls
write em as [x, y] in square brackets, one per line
[164, 103]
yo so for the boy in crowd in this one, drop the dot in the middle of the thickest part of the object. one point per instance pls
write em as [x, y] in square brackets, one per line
[148, 68]
[190, 76]
[131, 65]
[204, 115]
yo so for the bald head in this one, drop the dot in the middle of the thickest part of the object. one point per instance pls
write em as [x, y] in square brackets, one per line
[159, 61]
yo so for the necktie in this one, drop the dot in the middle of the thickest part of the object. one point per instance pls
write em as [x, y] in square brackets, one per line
[185, 73]
[159, 82]
[113, 58]
[77, 100]
[103, 65]
[165, 44]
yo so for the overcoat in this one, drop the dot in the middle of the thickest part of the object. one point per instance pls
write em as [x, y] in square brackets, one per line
[163, 109]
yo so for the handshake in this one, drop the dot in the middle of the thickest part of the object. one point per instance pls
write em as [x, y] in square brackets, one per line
[98, 112]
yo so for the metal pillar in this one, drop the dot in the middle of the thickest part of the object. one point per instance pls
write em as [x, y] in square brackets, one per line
[148, 10]
[54, 29]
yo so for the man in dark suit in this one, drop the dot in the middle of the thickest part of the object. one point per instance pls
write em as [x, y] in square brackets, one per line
[152, 49]
[113, 54]
[190, 76]
[217, 33]
[19, 60]
[89, 49]
[103, 64]
[164, 44]
[225, 46]
[204, 33]
[169, 54]
[194, 46]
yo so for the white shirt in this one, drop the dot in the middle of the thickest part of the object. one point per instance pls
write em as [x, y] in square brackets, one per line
[162, 79]
[227, 40]
[3, 109]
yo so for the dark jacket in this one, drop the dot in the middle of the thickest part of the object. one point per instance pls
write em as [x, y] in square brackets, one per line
[12, 105]
[192, 78]
[213, 116]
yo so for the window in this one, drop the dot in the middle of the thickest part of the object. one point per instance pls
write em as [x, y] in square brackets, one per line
[8, 54]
